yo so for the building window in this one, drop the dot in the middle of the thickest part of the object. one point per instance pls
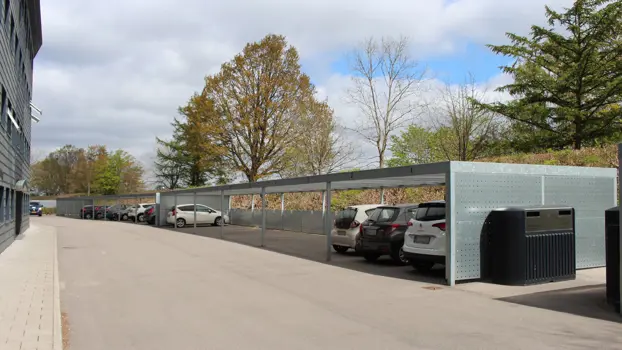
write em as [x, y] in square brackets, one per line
[12, 207]
[6, 205]
[12, 27]
[3, 106]
[7, 8]
[1, 204]
[9, 123]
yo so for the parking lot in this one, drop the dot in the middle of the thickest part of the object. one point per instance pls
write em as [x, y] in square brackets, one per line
[175, 289]
[313, 247]
[583, 296]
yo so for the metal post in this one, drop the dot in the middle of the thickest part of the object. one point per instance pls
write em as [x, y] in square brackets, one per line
[263, 215]
[252, 204]
[381, 195]
[222, 214]
[175, 210]
[323, 204]
[119, 209]
[93, 210]
[283, 211]
[327, 224]
[194, 203]
[450, 244]
[136, 211]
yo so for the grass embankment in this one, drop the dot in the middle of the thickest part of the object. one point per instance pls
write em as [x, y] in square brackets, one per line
[603, 157]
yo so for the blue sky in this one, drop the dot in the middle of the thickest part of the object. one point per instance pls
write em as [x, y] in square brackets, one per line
[453, 68]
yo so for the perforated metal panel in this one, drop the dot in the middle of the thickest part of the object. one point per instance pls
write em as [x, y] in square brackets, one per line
[475, 196]
[480, 187]
[590, 197]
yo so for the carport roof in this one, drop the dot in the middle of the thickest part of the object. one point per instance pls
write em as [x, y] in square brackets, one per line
[433, 174]
[409, 176]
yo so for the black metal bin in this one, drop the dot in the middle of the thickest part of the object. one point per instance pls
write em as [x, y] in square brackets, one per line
[531, 245]
[612, 251]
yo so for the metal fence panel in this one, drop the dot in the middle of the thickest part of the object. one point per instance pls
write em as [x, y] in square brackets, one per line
[491, 186]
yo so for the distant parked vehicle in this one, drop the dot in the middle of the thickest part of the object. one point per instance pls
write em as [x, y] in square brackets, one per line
[424, 245]
[347, 226]
[150, 215]
[36, 208]
[117, 210]
[138, 211]
[101, 211]
[383, 232]
[205, 215]
[86, 212]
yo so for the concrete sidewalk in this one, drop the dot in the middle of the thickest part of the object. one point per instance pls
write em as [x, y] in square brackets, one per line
[136, 287]
[29, 292]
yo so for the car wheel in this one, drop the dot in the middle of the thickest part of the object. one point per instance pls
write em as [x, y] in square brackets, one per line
[340, 249]
[371, 257]
[218, 221]
[141, 218]
[124, 217]
[422, 266]
[88, 216]
[397, 254]
[180, 223]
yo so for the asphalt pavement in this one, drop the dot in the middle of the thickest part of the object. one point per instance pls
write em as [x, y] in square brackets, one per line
[136, 287]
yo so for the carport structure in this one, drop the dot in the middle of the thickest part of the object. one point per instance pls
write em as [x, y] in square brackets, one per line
[473, 189]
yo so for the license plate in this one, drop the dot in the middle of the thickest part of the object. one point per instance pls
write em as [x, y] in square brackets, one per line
[370, 232]
[341, 233]
[422, 239]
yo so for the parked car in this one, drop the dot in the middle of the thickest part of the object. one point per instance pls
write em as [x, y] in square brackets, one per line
[117, 210]
[424, 245]
[150, 215]
[383, 232]
[36, 208]
[86, 212]
[138, 211]
[347, 226]
[205, 215]
[101, 211]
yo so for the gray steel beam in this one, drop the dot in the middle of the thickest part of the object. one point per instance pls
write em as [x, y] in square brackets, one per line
[194, 212]
[263, 215]
[222, 214]
[450, 243]
[327, 223]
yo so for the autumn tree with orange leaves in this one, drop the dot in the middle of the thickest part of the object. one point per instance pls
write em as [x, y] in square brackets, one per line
[251, 107]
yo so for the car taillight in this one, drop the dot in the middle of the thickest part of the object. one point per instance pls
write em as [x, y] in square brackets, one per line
[390, 230]
[440, 226]
[173, 212]
[354, 224]
[410, 223]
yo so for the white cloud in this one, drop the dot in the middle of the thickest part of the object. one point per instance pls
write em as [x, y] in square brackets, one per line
[114, 72]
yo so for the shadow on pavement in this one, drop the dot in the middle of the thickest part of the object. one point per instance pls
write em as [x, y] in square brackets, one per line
[313, 247]
[588, 301]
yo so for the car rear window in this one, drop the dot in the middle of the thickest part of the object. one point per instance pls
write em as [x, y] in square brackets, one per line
[347, 213]
[384, 214]
[431, 212]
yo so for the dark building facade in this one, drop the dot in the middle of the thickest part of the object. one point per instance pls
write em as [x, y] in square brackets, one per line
[20, 40]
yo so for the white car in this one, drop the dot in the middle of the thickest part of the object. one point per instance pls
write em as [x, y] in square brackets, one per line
[139, 210]
[205, 215]
[424, 241]
[347, 226]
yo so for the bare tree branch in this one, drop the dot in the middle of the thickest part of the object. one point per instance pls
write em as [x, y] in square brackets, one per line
[386, 86]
